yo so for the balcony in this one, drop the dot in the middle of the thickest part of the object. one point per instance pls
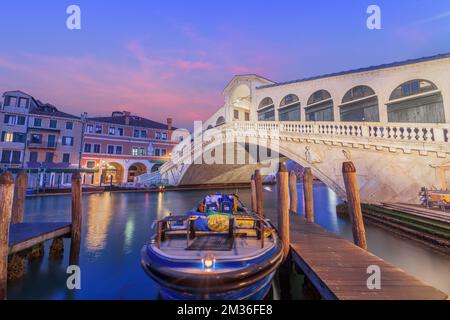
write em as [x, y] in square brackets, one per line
[42, 145]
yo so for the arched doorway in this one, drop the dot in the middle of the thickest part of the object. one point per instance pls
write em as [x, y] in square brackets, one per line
[136, 169]
[112, 173]
[320, 107]
[240, 102]
[289, 108]
[156, 167]
[416, 101]
[266, 110]
[360, 104]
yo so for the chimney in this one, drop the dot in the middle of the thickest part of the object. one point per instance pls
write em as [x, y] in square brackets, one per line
[127, 115]
[169, 123]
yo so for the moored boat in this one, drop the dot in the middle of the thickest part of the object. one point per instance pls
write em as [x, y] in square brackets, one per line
[218, 251]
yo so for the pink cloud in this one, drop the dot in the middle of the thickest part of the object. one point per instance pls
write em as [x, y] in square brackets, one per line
[183, 83]
[192, 65]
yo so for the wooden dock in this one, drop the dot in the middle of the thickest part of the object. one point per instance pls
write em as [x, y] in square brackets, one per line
[338, 269]
[24, 236]
[19, 240]
[334, 268]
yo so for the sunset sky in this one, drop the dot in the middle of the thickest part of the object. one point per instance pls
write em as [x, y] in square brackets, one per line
[167, 58]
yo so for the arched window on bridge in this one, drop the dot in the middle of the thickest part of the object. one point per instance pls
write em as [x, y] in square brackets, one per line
[289, 108]
[320, 107]
[360, 104]
[220, 121]
[416, 101]
[266, 110]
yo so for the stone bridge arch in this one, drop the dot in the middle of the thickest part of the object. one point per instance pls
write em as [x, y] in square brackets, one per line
[393, 161]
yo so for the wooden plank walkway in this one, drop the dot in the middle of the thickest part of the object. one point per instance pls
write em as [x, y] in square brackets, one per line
[338, 268]
[23, 236]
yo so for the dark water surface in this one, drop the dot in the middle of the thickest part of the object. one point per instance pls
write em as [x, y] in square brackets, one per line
[115, 227]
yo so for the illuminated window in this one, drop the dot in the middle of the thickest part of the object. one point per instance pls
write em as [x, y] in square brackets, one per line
[89, 128]
[7, 137]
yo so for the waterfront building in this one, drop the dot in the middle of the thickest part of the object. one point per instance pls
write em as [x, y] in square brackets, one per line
[39, 137]
[123, 146]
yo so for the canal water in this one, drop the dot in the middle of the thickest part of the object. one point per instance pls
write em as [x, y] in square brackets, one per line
[115, 227]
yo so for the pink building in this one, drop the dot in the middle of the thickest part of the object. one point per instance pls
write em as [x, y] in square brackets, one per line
[123, 146]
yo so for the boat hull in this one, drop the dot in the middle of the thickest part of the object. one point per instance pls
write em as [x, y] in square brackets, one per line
[257, 291]
[248, 279]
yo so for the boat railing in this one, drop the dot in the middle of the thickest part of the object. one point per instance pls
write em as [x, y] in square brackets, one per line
[164, 225]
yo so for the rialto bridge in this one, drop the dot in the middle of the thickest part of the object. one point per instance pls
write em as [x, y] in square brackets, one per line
[392, 121]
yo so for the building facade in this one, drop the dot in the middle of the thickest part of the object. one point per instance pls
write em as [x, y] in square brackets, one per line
[52, 144]
[40, 138]
[124, 146]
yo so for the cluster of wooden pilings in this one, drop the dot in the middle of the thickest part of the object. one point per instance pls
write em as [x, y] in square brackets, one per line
[32, 235]
[288, 200]
[288, 204]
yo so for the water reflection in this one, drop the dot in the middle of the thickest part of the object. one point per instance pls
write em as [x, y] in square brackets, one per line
[129, 232]
[115, 226]
[98, 215]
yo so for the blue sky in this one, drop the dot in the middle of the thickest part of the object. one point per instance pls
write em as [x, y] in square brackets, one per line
[173, 58]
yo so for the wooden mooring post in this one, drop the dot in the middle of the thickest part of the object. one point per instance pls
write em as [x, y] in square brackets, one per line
[283, 207]
[293, 196]
[308, 194]
[254, 199]
[354, 204]
[284, 229]
[20, 192]
[76, 219]
[259, 194]
[6, 200]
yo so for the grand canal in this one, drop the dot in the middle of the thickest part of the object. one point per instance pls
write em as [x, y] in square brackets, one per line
[115, 226]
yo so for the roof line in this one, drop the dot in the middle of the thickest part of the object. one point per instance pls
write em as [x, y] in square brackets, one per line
[365, 69]
[247, 75]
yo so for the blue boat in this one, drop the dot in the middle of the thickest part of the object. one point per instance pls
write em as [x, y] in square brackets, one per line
[219, 251]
